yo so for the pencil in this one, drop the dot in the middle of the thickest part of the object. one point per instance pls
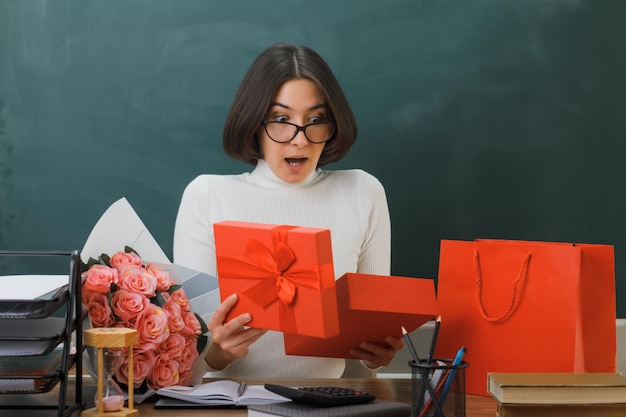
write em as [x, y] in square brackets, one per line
[409, 343]
[433, 342]
[424, 374]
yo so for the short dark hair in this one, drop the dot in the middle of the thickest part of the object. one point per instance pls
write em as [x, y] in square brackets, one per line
[279, 63]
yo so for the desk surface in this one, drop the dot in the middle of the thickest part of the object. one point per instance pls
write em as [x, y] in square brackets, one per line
[385, 389]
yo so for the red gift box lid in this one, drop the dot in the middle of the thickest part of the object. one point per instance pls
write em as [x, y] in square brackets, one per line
[370, 308]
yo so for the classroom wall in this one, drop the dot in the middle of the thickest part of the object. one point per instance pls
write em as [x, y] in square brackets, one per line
[482, 118]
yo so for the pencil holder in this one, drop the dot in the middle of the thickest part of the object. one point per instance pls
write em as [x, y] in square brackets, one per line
[438, 388]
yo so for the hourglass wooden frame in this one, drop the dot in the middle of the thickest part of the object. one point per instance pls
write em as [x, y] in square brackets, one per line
[112, 337]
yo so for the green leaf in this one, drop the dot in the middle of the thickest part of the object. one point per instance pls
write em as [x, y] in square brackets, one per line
[128, 249]
[105, 259]
[91, 262]
[158, 299]
[202, 342]
[174, 287]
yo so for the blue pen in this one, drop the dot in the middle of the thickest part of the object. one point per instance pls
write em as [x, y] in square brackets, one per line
[459, 356]
[457, 361]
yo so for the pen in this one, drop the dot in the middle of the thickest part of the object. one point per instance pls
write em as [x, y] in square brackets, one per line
[459, 356]
[242, 388]
[433, 342]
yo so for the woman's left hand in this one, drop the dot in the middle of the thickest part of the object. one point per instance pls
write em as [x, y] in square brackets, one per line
[375, 355]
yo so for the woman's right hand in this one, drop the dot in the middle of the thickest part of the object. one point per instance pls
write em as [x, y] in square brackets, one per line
[229, 340]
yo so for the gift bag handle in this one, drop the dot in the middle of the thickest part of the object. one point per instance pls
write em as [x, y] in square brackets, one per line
[479, 286]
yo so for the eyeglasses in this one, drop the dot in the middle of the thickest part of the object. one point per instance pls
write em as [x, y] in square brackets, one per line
[283, 132]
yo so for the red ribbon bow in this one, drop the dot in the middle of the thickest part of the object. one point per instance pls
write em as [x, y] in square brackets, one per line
[277, 274]
[276, 283]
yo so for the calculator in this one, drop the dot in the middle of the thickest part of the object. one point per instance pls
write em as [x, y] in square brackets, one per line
[322, 396]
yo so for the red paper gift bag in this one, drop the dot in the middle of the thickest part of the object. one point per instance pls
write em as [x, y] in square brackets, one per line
[520, 306]
[283, 275]
[370, 308]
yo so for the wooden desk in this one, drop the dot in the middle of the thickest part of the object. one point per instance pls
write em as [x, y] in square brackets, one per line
[385, 389]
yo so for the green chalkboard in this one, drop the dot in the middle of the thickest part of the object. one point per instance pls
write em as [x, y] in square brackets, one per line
[482, 118]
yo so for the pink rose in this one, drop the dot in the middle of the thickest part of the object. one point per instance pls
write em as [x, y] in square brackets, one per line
[173, 346]
[181, 299]
[167, 334]
[143, 362]
[99, 311]
[192, 325]
[185, 377]
[99, 279]
[136, 279]
[120, 260]
[175, 316]
[164, 373]
[189, 353]
[164, 282]
[128, 305]
[151, 326]
[125, 323]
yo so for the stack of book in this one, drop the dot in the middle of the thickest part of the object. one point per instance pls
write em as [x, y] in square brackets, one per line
[558, 394]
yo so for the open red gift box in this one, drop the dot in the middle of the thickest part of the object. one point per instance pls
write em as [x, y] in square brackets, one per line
[370, 308]
[283, 275]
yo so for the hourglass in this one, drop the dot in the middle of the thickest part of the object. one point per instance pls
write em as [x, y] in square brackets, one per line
[109, 396]
[112, 394]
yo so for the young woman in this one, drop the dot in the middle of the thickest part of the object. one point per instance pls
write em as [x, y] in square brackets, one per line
[288, 119]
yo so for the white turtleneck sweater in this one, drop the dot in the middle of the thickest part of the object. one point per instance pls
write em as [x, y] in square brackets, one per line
[351, 203]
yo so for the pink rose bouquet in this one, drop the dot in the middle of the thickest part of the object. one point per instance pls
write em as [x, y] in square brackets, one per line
[120, 291]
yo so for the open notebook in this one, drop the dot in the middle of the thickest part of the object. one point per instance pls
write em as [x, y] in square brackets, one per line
[218, 393]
